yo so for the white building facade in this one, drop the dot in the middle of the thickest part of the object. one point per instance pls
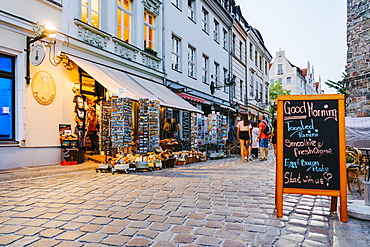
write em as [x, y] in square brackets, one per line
[297, 81]
[100, 47]
[197, 51]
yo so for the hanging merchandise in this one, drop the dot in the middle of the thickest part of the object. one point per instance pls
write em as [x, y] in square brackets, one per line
[202, 130]
[153, 125]
[194, 130]
[222, 138]
[105, 142]
[121, 125]
[213, 126]
[143, 129]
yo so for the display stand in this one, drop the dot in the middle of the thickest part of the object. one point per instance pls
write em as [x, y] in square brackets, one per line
[105, 140]
[121, 130]
[153, 125]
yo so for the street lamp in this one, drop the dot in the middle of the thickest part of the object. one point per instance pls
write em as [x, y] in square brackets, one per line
[40, 32]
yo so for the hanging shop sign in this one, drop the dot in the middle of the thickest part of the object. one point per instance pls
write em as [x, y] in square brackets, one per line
[37, 54]
[311, 148]
[43, 88]
[185, 124]
[88, 84]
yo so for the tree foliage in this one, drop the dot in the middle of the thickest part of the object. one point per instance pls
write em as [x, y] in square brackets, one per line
[341, 86]
[277, 89]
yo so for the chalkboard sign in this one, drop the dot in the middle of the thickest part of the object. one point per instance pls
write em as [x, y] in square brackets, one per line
[311, 144]
[311, 148]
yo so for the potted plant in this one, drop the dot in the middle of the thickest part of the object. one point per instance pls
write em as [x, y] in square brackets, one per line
[151, 51]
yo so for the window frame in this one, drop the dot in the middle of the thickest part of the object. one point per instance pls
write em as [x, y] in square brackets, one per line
[124, 12]
[191, 62]
[216, 31]
[90, 12]
[205, 19]
[225, 78]
[224, 38]
[205, 68]
[176, 53]
[148, 27]
[10, 76]
[280, 70]
[191, 10]
[251, 85]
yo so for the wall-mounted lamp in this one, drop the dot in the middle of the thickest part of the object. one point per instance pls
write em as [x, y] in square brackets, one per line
[215, 86]
[236, 106]
[40, 32]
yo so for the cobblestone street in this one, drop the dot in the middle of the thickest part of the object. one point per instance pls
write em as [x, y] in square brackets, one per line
[214, 203]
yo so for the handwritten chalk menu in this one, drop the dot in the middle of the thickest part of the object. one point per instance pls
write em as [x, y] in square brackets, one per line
[311, 149]
[311, 145]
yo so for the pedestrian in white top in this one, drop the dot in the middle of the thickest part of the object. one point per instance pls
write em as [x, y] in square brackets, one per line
[244, 135]
[254, 144]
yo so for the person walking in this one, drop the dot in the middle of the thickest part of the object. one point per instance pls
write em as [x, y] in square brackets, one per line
[254, 144]
[92, 130]
[263, 138]
[244, 136]
[274, 135]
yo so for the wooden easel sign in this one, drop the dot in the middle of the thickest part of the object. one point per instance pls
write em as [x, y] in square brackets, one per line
[311, 151]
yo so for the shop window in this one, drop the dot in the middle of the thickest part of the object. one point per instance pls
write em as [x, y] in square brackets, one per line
[7, 97]
[124, 20]
[90, 12]
[149, 28]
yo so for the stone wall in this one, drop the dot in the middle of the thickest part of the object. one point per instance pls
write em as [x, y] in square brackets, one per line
[358, 58]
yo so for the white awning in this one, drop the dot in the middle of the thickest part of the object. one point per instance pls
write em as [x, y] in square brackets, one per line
[136, 87]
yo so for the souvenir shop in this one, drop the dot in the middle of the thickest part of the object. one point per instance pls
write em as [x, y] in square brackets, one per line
[128, 130]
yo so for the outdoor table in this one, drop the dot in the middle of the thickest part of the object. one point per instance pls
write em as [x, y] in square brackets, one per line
[366, 152]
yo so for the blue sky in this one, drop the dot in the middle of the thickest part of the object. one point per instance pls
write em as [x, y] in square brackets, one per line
[308, 30]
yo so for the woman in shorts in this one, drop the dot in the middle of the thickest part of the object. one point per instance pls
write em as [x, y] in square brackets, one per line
[244, 136]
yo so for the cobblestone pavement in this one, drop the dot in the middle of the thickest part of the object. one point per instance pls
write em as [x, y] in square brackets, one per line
[215, 203]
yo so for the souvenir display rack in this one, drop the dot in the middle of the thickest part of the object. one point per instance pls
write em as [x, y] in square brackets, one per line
[213, 127]
[143, 128]
[105, 139]
[121, 125]
[194, 130]
[153, 125]
[222, 137]
[202, 130]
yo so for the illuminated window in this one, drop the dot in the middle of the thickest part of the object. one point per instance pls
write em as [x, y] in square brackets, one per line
[149, 30]
[124, 20]
[90, 12]
[7, 96]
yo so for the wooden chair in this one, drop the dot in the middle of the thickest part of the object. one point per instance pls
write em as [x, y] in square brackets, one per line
[365, 160]
[353, 168]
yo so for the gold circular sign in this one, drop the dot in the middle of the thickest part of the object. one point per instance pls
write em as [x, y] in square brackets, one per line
[43, 88]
